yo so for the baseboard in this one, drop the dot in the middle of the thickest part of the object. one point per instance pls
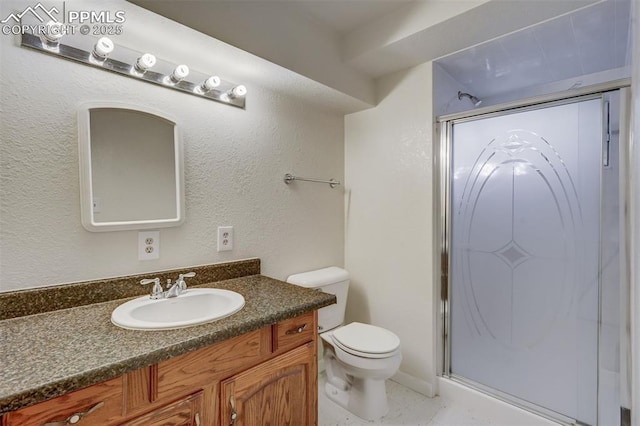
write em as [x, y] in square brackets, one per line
[421, 386]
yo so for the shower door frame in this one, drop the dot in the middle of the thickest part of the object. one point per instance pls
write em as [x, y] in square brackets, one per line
[442, 214]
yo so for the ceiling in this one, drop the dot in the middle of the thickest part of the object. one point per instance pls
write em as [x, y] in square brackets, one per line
[344, 45]
[342, 16]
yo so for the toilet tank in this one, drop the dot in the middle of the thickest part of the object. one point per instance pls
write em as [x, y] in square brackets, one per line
[332, 280]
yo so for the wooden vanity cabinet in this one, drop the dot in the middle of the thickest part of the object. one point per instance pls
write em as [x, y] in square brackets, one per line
[270, 374]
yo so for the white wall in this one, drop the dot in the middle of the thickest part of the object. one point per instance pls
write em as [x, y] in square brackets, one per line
[234, 164]
[388, 247]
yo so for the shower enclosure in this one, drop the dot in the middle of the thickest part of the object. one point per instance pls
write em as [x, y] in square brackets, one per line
[531, 256]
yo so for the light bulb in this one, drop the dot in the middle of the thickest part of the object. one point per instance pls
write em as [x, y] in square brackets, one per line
[52, 33]
[210, 83]
[145, 62]
[102, 48]
[239, 90]
[179, 73]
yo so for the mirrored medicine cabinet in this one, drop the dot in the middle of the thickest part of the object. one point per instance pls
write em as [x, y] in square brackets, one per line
[131, 168]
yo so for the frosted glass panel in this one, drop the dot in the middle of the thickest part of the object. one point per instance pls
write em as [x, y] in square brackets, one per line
[525, 201]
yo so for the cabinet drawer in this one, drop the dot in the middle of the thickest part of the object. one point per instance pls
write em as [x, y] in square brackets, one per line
[99, 404]
[294, 332]
[185, 412]
[199, 368]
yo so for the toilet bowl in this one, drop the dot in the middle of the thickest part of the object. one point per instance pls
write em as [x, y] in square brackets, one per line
[358, 358]
[357, 368]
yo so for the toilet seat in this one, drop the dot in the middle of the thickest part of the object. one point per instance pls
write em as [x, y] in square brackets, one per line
[366, 341]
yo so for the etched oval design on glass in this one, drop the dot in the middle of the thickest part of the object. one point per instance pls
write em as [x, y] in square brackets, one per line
[518, 218]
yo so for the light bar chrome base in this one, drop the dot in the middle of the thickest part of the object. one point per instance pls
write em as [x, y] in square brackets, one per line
[78, 48]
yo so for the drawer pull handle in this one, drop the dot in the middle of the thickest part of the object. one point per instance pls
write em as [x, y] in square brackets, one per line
[76, 417]
[297, 330]
[197, 419]
[234, 415]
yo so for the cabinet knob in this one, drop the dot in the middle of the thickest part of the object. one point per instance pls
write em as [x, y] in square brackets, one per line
[297, 330]
[75, 417]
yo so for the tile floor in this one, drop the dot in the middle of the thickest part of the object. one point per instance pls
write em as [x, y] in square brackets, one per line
[406, 407]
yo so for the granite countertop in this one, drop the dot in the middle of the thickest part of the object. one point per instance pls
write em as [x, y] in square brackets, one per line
[49, 354]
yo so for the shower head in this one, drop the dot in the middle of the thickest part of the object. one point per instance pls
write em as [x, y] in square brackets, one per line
[476, 101]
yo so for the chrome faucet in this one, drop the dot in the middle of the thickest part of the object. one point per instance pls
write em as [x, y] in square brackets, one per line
[172, 290]
[179, 286]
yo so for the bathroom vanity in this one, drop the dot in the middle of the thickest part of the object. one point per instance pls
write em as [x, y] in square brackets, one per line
[257, 366]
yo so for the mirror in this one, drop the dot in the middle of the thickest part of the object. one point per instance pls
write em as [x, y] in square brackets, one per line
[130, 168]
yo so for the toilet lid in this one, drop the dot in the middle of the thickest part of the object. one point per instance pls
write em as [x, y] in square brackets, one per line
[366, 338]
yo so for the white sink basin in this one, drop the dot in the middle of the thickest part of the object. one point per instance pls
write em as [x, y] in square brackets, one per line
[194, 306]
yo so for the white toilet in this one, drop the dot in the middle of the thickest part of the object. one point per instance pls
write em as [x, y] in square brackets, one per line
[358, 357]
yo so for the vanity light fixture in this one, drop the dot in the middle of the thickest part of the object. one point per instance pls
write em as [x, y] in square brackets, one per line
[179, 73]
[102, 48]
[51, 34]
[144, 62]
[210, 83]
[238, 91]
[53, 39]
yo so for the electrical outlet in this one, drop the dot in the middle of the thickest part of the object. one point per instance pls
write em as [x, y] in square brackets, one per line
[148, 245]
[225, 238]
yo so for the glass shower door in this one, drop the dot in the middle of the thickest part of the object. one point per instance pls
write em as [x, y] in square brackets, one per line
[524, 254]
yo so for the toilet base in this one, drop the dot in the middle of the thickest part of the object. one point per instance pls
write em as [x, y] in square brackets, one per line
[366, 398]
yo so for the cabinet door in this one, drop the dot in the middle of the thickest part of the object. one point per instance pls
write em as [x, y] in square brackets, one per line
[185, 412]
[281, 391]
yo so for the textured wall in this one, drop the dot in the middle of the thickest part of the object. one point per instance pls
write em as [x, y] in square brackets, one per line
[388, 157]
[234, 163]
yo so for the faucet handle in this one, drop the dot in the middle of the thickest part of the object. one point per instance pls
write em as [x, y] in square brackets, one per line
[181, 277]
[187, 275]
[156, 291]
